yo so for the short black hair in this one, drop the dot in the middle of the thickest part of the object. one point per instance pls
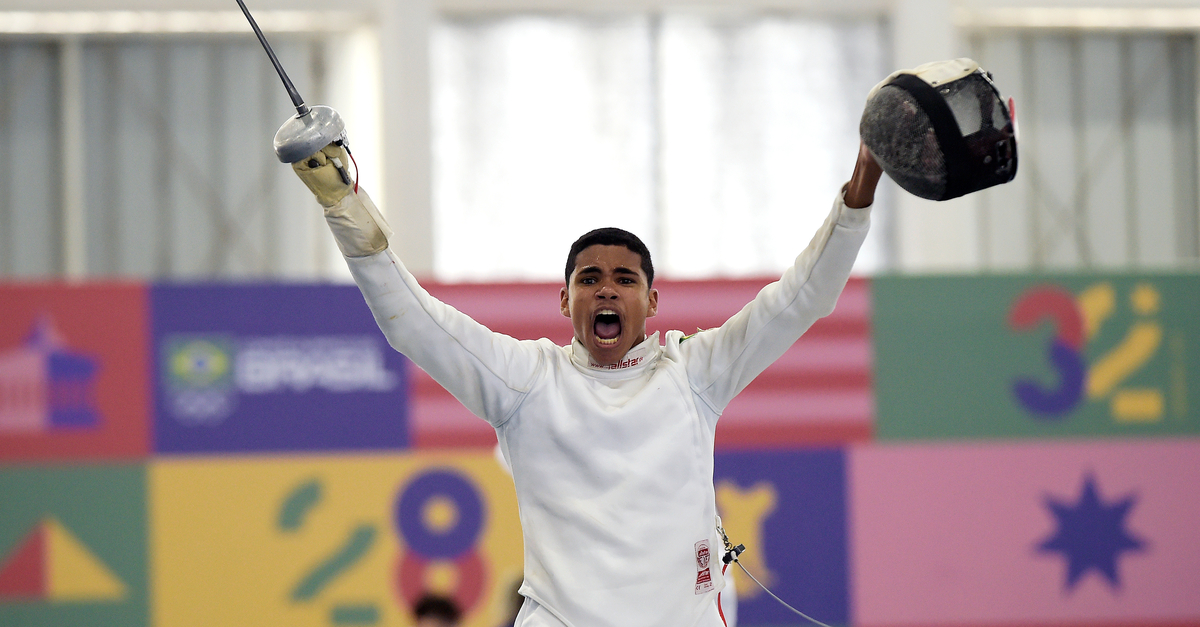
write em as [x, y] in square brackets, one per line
[438, 607]
[611, 236]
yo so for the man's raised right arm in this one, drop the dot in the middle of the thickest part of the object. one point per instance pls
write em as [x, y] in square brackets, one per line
[488, 372]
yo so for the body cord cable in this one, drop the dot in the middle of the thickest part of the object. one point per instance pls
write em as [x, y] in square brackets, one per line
[731, 556]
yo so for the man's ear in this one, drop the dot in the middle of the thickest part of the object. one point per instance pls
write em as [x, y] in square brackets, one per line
[564, 305]
[653, 310]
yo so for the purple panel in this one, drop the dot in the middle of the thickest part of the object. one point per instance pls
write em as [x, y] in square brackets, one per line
[268, 367]
[789, 509]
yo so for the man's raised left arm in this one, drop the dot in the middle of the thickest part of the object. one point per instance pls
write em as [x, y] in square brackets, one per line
[723, 361]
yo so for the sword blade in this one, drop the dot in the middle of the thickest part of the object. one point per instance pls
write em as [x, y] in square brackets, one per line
[301, 108]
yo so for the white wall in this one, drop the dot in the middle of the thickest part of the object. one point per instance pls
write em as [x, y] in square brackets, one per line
[928, 236]
[589, 5]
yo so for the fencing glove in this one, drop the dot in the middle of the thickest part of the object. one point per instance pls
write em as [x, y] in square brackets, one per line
[322, 173]
[357, 225]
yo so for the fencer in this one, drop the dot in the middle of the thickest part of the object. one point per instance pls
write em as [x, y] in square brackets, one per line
[610, 438]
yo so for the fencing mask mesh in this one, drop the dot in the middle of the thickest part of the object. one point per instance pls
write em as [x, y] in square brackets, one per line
[941, 131]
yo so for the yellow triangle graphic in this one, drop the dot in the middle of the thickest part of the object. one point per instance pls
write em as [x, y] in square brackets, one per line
[74, 572]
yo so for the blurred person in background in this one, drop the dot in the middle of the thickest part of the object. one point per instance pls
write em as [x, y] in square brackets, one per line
[610, 439]
[432, 610]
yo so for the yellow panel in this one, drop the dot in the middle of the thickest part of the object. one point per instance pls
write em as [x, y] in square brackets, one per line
[75, 573]
[222, 555]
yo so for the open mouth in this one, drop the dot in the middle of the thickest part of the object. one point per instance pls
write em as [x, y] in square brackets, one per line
[607, 327]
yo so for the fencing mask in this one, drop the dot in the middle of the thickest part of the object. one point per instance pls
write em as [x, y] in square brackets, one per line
[941, 130]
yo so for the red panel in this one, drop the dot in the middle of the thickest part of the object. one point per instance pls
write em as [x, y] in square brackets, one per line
[99, 330]
[23, 575]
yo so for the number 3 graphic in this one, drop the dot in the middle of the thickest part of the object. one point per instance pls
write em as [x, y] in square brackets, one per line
[1064, 350]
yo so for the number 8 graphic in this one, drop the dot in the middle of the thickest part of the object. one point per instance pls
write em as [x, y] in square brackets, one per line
[448, 535]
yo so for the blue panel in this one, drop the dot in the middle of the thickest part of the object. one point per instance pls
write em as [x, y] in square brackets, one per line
[268, 367]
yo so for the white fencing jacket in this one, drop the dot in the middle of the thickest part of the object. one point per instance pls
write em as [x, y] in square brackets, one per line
[613, 466]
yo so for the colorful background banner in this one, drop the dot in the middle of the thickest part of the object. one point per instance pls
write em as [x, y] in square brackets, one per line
[1031, 533]
[323, 541]
[73, 364]
[1037, 463]
[274, 368]
[987, 357]
[73, 546]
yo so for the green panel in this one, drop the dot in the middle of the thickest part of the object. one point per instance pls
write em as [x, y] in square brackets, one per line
[104, 508]
[948, 356]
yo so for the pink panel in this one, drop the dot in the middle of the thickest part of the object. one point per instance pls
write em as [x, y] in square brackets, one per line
[949, 534]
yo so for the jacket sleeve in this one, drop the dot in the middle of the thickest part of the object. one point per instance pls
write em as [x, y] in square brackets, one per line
[721, 362]
[488, 372]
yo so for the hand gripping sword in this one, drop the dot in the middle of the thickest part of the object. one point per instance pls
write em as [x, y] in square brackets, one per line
[312, 128]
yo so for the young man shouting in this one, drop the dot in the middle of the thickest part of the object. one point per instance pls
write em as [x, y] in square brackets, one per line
[610, 439]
